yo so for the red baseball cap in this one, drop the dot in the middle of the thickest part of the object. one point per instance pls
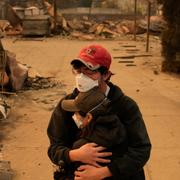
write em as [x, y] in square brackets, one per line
[94, 56]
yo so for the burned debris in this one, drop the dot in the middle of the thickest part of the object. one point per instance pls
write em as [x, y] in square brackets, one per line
[40, 83]
[6, 173]
[16, 76]
[42, 19]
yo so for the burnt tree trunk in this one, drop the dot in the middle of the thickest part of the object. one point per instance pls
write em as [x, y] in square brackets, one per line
[171, 36]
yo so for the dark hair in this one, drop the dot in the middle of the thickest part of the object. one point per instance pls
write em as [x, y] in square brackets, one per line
[78, 64]
[83, 114]
[103, 70]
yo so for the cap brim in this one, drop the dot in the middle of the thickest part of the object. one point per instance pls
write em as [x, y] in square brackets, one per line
[88, 64]
[69, 105]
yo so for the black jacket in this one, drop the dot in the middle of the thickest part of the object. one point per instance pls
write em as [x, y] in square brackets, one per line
[106, 130]
[63, 132]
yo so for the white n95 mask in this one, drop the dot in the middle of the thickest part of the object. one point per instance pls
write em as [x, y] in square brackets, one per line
[84, 83]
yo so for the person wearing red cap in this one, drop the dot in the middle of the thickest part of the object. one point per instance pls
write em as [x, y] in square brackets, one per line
[92, 68]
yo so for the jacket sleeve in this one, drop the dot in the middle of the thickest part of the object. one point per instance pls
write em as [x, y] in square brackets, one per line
[139, 146]
[61, 131]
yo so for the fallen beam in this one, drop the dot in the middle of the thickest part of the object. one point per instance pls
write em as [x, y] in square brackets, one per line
[128, 45]
[132, 50]
[131, 56]
[125, 61]
[130, 64]
[7, 93]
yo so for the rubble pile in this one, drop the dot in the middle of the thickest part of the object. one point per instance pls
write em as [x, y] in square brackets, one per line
[82, 28]
[20, 77]
[40, 83]
[6, 173]
[11, 25]
[15, 76]
[7, 29]
[90, 29]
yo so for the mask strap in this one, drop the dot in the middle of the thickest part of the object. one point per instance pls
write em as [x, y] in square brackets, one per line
[98, 105]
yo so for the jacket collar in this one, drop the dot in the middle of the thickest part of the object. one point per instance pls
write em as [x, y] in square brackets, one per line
[115, 92]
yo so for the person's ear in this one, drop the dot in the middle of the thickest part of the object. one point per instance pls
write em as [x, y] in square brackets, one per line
[89, 117]
[107, 75]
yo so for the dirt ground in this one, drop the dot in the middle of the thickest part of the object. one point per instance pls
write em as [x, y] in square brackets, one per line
[23, 135]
